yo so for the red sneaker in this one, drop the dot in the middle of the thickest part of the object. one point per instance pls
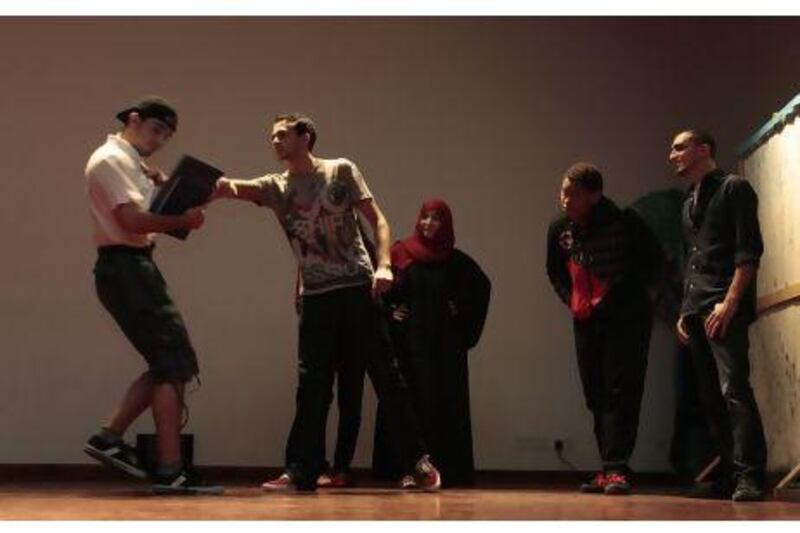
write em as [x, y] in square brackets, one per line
[596, 485]
[427, 476]
[617, 483]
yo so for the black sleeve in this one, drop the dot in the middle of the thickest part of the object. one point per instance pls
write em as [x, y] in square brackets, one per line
[649, 259]
[390, 300]
[472, 299]
[395, 296]
[556, 263]
[744, 203]
[686, 253]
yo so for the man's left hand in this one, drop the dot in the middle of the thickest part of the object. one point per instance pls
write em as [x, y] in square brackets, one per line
[382, 281]
[717, 322]
[451, 305]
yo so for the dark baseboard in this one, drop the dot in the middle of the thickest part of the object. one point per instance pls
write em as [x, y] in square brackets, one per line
[247, 475]
[16, 473]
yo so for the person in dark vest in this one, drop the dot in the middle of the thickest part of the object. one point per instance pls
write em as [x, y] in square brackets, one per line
[600, 261]
[439, 304]
[724, 246]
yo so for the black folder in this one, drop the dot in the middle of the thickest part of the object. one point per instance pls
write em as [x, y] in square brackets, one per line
[190, 185]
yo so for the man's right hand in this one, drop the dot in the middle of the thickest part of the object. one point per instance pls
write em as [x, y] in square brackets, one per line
[680, 328]
[225, 188]
[194, 218]
[400, 313]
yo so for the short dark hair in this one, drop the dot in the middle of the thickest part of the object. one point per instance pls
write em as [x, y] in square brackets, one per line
[586, 175]
[703, 137]
[301, 124]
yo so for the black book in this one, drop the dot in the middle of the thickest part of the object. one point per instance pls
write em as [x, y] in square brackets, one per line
[190, 185]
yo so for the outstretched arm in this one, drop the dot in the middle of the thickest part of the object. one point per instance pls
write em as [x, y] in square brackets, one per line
[249, 190]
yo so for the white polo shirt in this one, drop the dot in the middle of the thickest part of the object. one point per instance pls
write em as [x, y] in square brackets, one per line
[114, 177]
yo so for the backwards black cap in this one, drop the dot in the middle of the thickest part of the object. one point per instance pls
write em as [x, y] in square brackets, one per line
[152, 107]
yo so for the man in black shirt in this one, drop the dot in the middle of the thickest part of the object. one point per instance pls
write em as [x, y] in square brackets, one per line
[600, 259]
[723, 240]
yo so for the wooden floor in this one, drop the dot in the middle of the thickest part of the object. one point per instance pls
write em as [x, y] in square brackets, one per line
[122, 500]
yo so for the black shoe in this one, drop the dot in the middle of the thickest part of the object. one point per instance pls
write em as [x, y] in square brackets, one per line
[184, 482]
[717, 490]
[596, 485]
[115, 454]
[747, 490]
[617, 484]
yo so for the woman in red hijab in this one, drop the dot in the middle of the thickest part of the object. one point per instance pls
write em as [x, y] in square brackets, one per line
[439, 304]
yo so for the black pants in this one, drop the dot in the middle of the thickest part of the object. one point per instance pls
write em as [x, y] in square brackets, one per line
[691, 448]
[339, 325]
[350, 373]
[612, 358]
[723, 382]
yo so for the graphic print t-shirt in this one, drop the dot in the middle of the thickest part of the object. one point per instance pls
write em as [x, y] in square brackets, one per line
[317, 213]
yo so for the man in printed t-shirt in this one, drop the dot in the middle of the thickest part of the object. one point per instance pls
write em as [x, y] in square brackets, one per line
[315, 201]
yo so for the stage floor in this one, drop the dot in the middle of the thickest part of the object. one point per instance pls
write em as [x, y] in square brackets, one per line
[120, 500]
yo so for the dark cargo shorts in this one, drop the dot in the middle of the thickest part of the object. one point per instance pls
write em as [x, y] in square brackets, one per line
[132, 289]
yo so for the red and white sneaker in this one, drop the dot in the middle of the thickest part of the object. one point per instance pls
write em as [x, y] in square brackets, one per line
[596, 485]
[324, 481]
[281, 483]
[426, 475]
[338, 480]
[617, 483]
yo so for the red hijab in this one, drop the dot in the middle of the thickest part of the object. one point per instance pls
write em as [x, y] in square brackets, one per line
[419, 248]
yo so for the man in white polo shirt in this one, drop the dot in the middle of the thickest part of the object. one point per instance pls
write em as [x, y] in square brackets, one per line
[131, 288]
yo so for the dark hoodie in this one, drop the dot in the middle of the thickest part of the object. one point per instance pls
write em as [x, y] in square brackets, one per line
[616, 249]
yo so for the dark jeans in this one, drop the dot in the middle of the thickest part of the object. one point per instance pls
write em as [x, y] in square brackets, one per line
[691, 448]
[722, 370]
[612, 359]
[341, 325]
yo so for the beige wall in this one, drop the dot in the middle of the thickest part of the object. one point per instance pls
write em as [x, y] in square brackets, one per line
[485, 113]
[774, 170]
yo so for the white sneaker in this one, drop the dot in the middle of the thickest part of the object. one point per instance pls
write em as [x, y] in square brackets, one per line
[408, 482]
[281, 483]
